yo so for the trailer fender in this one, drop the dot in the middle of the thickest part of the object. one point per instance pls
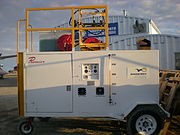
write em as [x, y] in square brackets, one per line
[162, 113]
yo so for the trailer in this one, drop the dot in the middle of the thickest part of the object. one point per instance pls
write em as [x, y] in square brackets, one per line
[92, 82]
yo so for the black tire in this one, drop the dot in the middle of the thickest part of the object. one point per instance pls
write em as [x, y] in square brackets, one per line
[24, 128]
[144, 120]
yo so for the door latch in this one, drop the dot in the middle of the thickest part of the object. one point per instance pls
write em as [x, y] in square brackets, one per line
[68, 87]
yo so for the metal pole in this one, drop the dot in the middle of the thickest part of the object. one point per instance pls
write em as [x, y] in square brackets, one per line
[107, 29]
[18, 37]
[72, 13]
[26, 28]
[32, 46]
[110, 81]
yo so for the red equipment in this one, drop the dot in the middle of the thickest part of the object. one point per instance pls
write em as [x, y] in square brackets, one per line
[92, 40]
[64, 42]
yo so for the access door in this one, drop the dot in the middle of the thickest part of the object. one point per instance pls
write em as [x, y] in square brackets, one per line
[48, 82]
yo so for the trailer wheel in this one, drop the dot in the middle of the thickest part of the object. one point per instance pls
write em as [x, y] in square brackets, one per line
[26, 128]
[143, 121]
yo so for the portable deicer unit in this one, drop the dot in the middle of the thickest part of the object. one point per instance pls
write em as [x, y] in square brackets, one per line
[91, 82]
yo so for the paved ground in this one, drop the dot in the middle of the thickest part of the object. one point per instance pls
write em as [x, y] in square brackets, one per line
[56, 126]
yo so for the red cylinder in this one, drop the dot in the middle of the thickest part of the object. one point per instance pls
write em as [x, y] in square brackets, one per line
[64, 43]
[91, 40]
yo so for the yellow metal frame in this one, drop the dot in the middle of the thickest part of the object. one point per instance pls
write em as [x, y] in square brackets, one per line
[73, 28]
[93, 46]
[20, 84]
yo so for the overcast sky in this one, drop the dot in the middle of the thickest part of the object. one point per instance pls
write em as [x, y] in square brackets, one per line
[165, 13]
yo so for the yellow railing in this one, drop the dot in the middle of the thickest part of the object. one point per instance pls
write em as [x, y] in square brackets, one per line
[72, 28]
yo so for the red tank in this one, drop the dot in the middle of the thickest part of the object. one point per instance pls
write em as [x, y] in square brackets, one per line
[91, 40]
[64, 42]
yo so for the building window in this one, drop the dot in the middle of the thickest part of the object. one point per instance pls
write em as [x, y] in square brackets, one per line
[177, 61]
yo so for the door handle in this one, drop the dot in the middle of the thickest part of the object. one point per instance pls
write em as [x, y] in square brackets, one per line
[68, 87]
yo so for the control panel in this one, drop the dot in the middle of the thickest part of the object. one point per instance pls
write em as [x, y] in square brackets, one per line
[90, 71]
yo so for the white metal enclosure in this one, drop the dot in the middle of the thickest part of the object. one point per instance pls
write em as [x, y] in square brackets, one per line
[89, 84]
[168, 46]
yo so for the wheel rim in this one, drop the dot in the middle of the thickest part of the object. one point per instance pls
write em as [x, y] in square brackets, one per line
[146, 124]
[26, 128]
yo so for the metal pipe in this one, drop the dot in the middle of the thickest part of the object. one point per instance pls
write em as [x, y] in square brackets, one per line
[110, 81]
[26, 28]
[72, 13]
[18, 37]
[80, 28]
[32, 46]
[106, 29]
[61, 8]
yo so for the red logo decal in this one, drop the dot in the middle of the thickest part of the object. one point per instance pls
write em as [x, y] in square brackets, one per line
[33, 60]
